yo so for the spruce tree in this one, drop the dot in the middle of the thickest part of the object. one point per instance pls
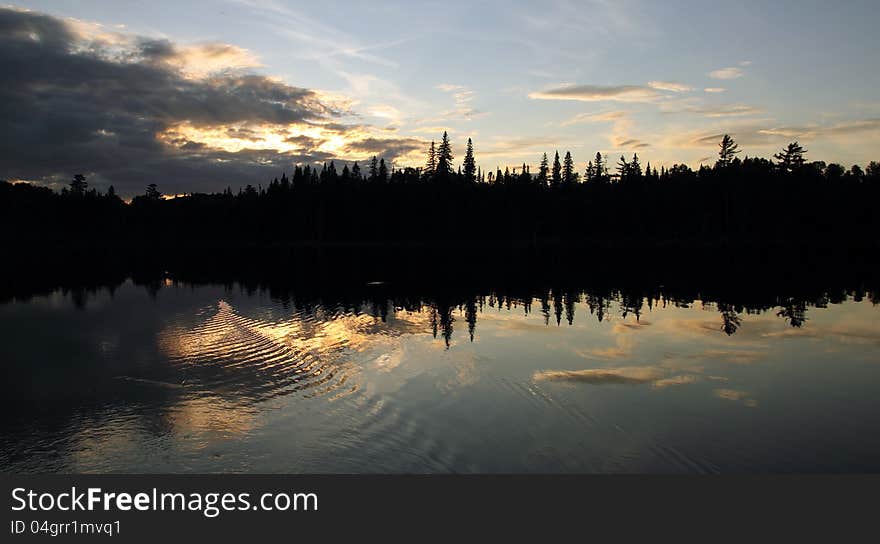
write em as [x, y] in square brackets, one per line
[444, 158]
[543, 170]
[374, 169]
[470, 166]
[431, 165]
[383, 171]
[557, 171]
[635, 169]
[568, 174]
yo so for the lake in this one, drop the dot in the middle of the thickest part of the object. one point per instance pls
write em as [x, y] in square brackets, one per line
[177, 376]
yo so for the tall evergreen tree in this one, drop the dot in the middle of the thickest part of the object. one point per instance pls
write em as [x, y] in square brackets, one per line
[791, 158]
[374, 169]
[383, 171]
[444, 158]
[557, 171]
[569, 176]
[729, 149]
[78, 185]
[470, 166]
[635, 168]
[599, 167]
[356, 172]
[431, 164]
[543, 170]
[590, 172]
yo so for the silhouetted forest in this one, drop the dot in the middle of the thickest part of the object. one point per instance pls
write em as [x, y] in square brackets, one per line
[455, 291]
[787, 201]
[459, 306]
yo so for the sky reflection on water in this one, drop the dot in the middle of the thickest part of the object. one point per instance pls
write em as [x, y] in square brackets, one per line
[204, 378]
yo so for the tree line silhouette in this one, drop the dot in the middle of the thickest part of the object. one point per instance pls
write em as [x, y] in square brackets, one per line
[448, 303]
[786, 200]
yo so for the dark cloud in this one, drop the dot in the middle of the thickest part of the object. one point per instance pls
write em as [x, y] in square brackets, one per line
[632, 144]
[385, 147]
[73, 106]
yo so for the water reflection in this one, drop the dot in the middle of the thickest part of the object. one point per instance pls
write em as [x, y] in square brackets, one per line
[172, 376]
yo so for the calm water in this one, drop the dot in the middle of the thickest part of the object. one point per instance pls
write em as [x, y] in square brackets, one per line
[208, 378]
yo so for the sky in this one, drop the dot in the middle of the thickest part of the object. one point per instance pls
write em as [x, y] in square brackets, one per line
[198, 96]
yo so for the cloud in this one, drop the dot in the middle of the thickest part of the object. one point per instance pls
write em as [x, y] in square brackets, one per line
[669, 86]
[598, 93]
[600, 117]
[385, 147]
[129, 111]
[715, 90]
[675, 380]
[756, 135]
[462, 97]
[736, 395]
[840, 129]
[631, 375]
[621, 136]
[601, 376]
[731, 72]
[512, 146]
[631, 143]
[722, 110]
[738, 357]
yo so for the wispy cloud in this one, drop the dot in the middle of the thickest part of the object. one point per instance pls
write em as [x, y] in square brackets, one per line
[727, 73]
[736, 395]
[462, 97]
[600, 117]
[714, 89]
[598, 93]
[723, 110]
[730, 72]
[601, 376]
[670, 86]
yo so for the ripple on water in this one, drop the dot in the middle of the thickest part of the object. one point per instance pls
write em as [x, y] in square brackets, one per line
[257, 359]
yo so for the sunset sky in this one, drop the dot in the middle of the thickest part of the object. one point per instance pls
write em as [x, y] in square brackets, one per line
[200, 95]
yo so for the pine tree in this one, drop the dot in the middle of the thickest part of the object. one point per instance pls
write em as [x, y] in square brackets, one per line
[431, 165]
[374, 169]
[635, 169]
[444, 158]
[152, 192]
[557, 171]
[470, 166]
[622, 169]
[728, 150]
[590, 173]
[356, 171]
[599, 167]
[791, 158]
[383, 171]
[524, 177]
[543, 170]
[569, 176]
[78, 185]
